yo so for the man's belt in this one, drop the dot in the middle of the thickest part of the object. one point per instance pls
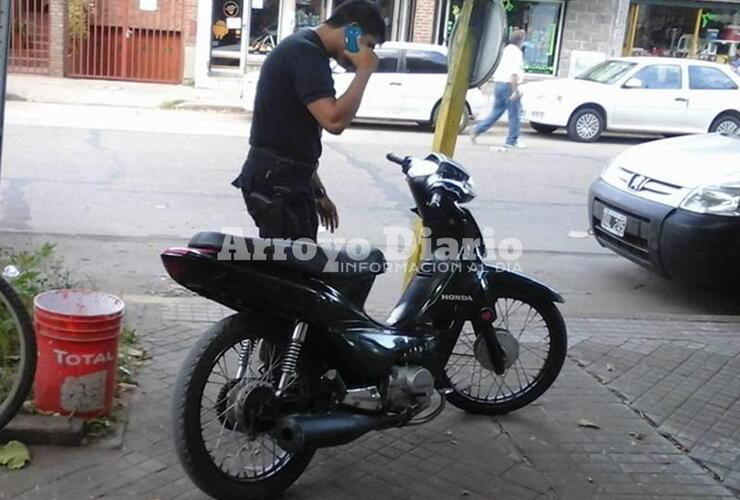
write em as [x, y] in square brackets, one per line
[281, 166]
[285, 176]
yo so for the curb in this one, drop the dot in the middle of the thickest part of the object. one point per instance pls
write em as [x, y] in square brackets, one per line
[217, 108]
[44, 430]
[184, 106]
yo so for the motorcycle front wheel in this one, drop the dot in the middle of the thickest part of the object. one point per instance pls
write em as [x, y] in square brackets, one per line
[224, 416]
[17, 353]
[534, 339]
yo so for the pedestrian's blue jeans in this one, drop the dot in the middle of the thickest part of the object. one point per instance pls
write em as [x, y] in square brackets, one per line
[503, 102]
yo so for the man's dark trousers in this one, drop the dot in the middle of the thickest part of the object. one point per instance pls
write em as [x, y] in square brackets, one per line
[279, 196]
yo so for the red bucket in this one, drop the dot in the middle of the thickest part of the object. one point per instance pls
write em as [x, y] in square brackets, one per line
[77, 333]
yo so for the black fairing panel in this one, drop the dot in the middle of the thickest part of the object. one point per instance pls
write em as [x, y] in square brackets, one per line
[362, 348]
[501, 280]
[425, 301]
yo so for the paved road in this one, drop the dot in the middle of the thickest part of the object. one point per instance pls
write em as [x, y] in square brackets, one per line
[114, 185]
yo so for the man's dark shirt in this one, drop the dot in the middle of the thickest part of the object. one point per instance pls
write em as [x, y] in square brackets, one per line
[295, 74]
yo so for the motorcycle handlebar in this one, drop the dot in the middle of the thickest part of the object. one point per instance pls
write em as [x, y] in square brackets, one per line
[435, 200]
[395, 158]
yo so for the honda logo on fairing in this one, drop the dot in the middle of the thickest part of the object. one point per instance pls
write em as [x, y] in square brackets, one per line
[457, 298]
[637, 182]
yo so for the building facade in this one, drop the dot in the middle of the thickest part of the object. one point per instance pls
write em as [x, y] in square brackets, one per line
[565, 36]
[215, 40]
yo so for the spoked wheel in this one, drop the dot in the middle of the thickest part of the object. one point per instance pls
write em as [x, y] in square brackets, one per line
[17, 353]
[225, 412]
[533, 338]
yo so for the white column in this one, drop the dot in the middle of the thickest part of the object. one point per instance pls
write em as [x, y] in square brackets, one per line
[286, 19]
[246, 34]
[203, 43]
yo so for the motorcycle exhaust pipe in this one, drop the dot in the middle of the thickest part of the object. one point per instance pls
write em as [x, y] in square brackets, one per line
[322, 431]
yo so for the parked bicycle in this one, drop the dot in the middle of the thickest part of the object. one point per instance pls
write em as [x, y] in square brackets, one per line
[17, 353]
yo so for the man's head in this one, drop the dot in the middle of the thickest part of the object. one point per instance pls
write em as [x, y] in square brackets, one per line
[517, 37]
[364, 13]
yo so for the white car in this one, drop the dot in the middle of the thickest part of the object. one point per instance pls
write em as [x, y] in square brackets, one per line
[407, 86]
[673, 206]
[637, 94]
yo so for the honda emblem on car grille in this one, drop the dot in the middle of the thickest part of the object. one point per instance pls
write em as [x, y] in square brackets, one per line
[637, 182]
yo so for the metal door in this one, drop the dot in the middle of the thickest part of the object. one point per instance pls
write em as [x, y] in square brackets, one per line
[138, 40]
[29, 36]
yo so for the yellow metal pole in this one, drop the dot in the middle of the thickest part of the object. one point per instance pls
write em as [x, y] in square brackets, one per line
[451, 110]
[634, 14]
[697, 28]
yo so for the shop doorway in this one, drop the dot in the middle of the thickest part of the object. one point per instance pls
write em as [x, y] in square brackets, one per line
[710, 33]
[226, 34]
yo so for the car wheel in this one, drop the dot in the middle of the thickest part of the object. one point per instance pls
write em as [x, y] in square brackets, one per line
[725, 124]
[542, 128]
[586, 125]
[464, 119]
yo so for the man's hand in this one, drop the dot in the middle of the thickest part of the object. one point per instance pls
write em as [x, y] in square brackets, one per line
[327, 213]
[365, 60]
[335, 115]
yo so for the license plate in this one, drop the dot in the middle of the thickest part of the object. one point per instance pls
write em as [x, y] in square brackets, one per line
[614, 222]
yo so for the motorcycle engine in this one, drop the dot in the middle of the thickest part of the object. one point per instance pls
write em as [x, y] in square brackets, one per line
[409, 386]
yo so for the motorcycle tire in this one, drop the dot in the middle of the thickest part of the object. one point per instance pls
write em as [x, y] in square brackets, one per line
[19, 329]
[189, 431]
[553, 363]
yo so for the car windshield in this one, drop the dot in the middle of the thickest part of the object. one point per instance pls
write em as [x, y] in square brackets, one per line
[607, 72]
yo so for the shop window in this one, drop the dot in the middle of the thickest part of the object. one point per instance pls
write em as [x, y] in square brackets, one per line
[706, 78]
[226, 33]
[450, 11]
[425, 62]
[309, 13]
[659, 76]
[681, 31]
[263, 26]
[541, 20]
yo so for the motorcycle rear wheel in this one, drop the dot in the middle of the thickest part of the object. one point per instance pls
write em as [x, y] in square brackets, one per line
[541, 347]
[205, 418]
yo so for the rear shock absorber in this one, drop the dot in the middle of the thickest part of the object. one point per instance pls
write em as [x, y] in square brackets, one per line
[245, 355]
[290, 361]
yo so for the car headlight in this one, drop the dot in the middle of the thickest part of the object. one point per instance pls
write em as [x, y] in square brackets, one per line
[716, 199]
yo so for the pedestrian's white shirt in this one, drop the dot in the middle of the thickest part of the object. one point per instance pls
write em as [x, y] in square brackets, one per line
[512, 63]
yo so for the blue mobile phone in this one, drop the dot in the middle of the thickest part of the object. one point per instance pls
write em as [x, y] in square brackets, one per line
[351, 32]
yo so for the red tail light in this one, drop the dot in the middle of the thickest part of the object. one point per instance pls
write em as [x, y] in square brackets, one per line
[175, 264]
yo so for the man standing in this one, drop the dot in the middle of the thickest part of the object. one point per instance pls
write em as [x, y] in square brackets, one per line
[295, 100]
[506, 80]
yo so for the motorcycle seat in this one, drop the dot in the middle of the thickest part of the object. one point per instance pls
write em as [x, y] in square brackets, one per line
[302, 257]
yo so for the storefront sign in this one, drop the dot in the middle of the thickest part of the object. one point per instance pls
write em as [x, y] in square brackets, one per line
[581, 60]
[234, 23]
[231, 9]
[148, 5]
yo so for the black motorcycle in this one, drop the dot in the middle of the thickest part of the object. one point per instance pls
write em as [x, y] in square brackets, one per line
[302, 366]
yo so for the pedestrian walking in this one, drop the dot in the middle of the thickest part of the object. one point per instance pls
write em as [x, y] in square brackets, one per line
[506, 80]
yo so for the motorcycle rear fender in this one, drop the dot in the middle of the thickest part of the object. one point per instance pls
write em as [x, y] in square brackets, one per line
[271, 292]
[501, 280]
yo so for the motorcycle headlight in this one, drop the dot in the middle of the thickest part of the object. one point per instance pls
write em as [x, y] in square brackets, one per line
[715, 199]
